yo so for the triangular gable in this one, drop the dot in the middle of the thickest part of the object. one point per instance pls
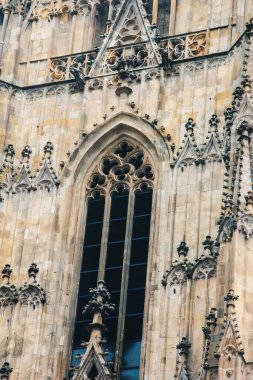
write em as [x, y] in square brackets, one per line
[47, 176]
[245, 111]
[23, 180]
[212, 148]
[130, 27]
[188, 153]
[93, 361]
[230, 336]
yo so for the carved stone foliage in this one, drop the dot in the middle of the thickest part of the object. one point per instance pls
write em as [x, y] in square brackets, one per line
[31, 293]
[19, 176]
[245, 226]
[201, 268]
[189, 46]
[125, 165]
[100, 301]
[93, 364]
[122, 59]
[61, 68]
[191, 153]
[5, 371]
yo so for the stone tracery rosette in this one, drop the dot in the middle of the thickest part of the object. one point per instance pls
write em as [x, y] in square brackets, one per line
[125, 165]
[205, 269]
[183, 47]
[32, 295]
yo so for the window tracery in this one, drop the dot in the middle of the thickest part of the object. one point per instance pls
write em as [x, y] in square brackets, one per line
[206, 269]
[8, 295]
[118, 214]
[125, 164]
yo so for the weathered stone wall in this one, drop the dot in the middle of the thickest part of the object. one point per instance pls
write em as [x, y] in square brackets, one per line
[46, 225]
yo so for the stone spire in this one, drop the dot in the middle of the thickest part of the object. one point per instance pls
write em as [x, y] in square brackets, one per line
[183, 346]
[99, 306]
[93, 362]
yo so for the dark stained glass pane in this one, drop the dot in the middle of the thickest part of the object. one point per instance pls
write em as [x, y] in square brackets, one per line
[89, 268]
[136, 285]
[114, 261]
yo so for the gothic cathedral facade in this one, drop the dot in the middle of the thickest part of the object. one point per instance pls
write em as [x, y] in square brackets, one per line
[126, 189]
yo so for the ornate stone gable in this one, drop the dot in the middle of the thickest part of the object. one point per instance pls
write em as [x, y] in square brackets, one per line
[128, 45]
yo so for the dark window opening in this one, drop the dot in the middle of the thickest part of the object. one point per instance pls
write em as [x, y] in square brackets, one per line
[89, 268]
[1, 17]
[163, 17]
[136, 285]
[121, 260]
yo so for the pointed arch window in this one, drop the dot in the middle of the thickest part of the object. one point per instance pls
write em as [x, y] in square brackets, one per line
[118, 215]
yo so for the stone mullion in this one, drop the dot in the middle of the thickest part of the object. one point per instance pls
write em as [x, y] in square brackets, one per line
[187, 311]
[124, 285]
[104, 238]
[154, 12]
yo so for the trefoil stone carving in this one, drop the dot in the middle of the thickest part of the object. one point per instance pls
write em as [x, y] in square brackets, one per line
[8, 291]
[31, 293]
[47, 178]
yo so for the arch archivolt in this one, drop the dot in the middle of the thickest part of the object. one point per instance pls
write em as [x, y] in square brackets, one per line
[124, 151]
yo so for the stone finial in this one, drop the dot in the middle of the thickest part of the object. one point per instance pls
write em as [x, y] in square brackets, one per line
[9, 151]
[238, 93]
[189, 126]
[33, 271]
[99, 302]
[230, 298]
[48, 148]
[26, 152]
[244, 131]
[5, 371]
[229, 114]
[228, 203]
[99, 306]
[183, 346]
[211, 319]
[182, 249]
[249, 201]
[208, 243]
[206, 331]
[214, 121]
[6, 272]
[246, 84]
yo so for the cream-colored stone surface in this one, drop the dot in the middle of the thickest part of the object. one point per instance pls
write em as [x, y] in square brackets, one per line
[46, 226]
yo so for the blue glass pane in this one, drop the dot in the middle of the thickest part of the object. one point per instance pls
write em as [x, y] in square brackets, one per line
[75, 359]
[129, 374]
[111, 353]
[131, 354]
